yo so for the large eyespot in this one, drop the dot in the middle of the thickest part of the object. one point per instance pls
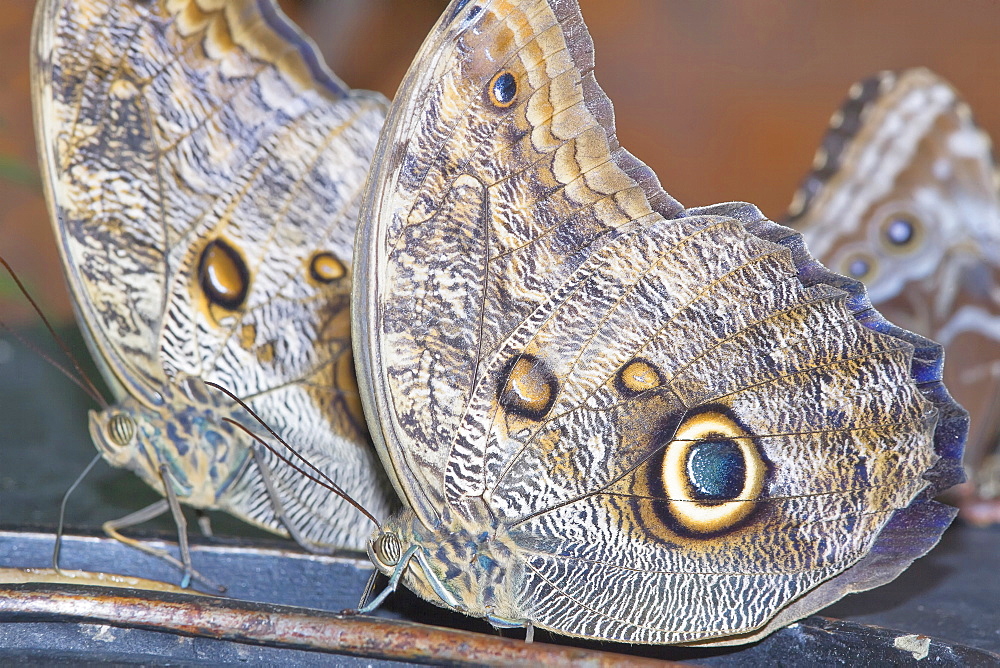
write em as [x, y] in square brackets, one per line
[712, 473]
[223, 275]
[120, 429]
[324, 267]
[900, 231]
[387, 550]
[716, 470]
[502, 89]
[527, 387]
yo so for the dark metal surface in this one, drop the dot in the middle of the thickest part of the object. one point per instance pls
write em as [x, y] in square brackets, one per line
[168, 627]
[952, 593]
[267, 574]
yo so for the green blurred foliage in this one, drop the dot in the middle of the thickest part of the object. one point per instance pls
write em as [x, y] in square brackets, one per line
[17, 171]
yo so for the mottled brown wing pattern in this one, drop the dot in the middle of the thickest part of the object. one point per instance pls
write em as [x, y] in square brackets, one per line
[204, 170]
[904, 196]
[612, 417]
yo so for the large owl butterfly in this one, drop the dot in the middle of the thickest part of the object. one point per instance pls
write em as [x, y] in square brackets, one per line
[904, 196]
[203, 171]
[607, 415]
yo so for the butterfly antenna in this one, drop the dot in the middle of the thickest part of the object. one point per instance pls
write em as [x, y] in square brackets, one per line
[80, 379]
[62, 512]
[58, 367]
[319, 478]
[316, 475]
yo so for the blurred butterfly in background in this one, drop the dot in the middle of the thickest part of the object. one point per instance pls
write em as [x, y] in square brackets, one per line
[607, 415]
[904, 196]
[203, 170]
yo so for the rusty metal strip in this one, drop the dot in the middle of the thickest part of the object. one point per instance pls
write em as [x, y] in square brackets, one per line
[282, 626]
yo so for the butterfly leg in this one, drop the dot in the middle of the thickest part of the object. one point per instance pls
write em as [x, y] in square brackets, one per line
[393, 583]
[279, 509]
[181, 522]
[501, 623]
[62, 513]
[150, 512]
[204, 523]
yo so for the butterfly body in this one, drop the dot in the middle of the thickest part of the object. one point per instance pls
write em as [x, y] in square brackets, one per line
[479, 569]
[203, 476]
[608, 415]
[203, 170]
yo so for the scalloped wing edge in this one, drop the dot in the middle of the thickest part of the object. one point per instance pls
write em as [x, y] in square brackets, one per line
[911, 531]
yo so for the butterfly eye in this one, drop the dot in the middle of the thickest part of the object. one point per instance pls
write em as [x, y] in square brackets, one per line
[900, 231]
[713, 473]
[387, 549]
[223, 275]
[324, 267]
[503, 89]
[120, 429]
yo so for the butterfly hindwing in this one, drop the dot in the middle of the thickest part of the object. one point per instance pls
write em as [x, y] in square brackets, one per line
[610, 416]
[204, 169]
[904, 196]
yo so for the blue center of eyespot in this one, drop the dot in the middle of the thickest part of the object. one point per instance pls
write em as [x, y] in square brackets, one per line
[900, 231]
[504, 88]
[716, 470]
[858, 268]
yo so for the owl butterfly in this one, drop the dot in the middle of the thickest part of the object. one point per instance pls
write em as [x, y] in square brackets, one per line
[904, 196]
[203, 171]
[607, 415]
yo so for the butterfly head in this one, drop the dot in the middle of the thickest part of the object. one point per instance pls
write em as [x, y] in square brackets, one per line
[393, 550]
[189, 442]
[121, 436]
[114, 434]
[392, 543]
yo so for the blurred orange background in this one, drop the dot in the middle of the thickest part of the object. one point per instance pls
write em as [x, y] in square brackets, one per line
[726, 100]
